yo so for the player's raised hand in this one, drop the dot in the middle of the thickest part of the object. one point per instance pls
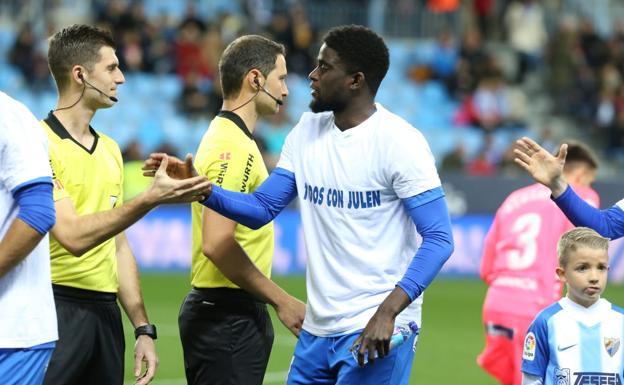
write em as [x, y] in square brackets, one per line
[144, 351]
[165, 189]
[176, 168]
[291, 313]
[541, 165]
[374, 341]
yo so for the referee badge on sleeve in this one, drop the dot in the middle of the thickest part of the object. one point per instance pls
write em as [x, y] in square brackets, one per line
[113, 200]
[530, 343]
[57, 184]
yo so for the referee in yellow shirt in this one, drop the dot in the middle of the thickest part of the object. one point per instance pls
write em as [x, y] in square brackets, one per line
[225, 328]
[92, 264]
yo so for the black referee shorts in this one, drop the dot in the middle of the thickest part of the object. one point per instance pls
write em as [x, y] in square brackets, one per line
[226, 336]
[90, 349]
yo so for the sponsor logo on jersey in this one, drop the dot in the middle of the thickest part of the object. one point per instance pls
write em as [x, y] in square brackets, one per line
[113, 200]
[597, 378]
[247, 173]
[612, 345]
[222, 170]
[529, 347]
[225, 156]
[563, 347]
[562, 376]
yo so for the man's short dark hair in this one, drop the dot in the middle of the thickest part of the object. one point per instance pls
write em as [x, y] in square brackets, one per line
[78, 44]
[580, 154]
[241, 56]
[361, 50]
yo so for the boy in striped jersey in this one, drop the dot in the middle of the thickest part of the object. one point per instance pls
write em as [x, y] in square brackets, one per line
[577, 339]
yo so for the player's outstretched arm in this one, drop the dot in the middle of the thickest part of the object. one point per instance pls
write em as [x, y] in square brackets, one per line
[548, 170]
[220, 246]
[80, 233]
[252, 210]
[541, 165]
[131, 300]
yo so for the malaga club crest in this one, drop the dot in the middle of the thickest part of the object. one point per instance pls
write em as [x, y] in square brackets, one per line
[562, 376]
[612, 345]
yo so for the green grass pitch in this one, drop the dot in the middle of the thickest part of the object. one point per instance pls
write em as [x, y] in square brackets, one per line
[450, 340]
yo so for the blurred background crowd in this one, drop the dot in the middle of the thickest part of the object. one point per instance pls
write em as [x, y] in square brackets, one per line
[472, 75]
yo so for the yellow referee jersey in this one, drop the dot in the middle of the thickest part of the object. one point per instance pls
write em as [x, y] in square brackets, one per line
[92, 178]
[230, 158]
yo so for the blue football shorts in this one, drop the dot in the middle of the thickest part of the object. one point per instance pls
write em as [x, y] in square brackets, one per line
[25, 366]
[327, 360]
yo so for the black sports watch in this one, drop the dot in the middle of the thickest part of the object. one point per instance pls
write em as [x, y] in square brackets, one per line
[146, 330]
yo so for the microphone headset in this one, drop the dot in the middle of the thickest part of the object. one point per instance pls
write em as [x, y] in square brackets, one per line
[279, 102]
[112, 98]
[259, 88]
[84, 86]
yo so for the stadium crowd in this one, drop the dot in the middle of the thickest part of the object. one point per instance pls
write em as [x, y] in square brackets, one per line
[482, 70]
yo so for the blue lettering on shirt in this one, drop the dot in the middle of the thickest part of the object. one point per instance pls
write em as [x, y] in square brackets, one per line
[335, 198]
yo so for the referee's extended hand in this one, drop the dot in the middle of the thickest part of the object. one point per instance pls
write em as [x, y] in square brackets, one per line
[144, 351]
[166, 189]
[176, 168]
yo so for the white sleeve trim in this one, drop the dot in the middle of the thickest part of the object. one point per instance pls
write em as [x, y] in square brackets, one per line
[530, 379]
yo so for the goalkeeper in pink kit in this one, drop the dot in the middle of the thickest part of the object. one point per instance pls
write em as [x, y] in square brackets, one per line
[518, 264]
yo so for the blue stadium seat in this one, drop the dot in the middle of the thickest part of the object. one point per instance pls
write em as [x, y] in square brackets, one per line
[7, 38]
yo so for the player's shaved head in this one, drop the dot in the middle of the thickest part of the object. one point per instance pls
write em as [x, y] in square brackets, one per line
[576, 238]
[361, 50]
[78, 44]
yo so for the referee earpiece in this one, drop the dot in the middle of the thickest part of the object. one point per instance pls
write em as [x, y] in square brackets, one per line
[86, 83]
[261, 88]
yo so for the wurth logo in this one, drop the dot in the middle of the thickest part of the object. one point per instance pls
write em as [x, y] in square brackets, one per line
[225, 156]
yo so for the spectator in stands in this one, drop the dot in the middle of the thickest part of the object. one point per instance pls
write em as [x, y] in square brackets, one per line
[526, 31]
[490, 103]
[26, 58]
[454, 160]
[484, 12]
[188, 50]
[481, 165]
[445, 57]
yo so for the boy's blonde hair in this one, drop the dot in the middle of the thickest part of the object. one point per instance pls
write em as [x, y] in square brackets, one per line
[579, 237]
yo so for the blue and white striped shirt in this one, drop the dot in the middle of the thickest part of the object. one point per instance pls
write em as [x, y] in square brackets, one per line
[568, 344]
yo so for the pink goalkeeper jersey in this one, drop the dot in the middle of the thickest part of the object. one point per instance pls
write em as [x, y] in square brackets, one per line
[520, 251]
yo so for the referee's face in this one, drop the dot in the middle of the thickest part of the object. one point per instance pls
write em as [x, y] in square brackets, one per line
[106, 77]
[274, 88]
[329, 82]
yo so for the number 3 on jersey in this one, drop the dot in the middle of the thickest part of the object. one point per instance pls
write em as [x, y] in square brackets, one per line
[527, 229]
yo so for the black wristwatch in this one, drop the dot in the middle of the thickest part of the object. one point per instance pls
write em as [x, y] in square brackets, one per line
[146, 330]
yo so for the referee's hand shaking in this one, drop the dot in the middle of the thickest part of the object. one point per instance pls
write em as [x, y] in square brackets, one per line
[176, 168]
[168, 166]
